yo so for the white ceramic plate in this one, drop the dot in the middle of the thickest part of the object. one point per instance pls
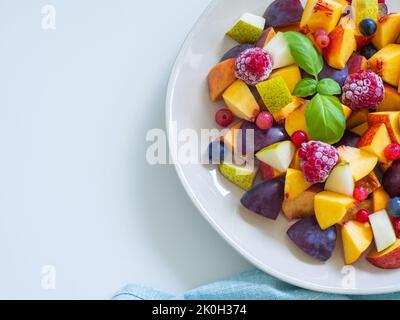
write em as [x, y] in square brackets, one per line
[263, 242]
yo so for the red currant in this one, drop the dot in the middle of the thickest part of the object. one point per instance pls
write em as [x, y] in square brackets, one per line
[319, 32]
[298, 138]
[392, 152]
[363, 216]
[396, 224]
[264, 120]
[322, 40]
[224, 117]
[360, 194]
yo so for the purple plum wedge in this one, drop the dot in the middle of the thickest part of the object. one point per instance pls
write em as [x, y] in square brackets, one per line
[391, 180]
[265, 198]
[310, 238]
[349, 139]
[281, 13]
[262, 138]
[236, 51]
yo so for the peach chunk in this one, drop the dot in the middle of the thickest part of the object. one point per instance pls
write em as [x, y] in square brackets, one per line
[220, 78]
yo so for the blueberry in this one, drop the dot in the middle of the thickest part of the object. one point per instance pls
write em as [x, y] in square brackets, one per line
[368, 27]
[393, 207]
[216, 152]
[368, 51]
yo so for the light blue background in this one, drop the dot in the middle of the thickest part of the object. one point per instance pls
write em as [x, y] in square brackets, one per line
[75, 189]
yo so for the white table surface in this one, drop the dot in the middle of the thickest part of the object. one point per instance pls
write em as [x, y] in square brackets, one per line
[76, 192]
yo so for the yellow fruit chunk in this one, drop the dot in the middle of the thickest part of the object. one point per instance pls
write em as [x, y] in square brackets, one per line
[386, 63]
[388, 30]
[230, 138]
[291, 75]
[321, 14]
[391, 101]
[380, 199]
[296, 162]
[295, 183]
[357, 118]
[361, 162]
[283, 113]
[347, 111]
[296, 120]
[360, 129]
[342, 44]
[241, 101]
[365, 9]
[356, 237]
[375, 140]
[390, 119]
[331, 208]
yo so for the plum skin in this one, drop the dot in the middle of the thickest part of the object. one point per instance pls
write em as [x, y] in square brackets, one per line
[262, 138]
[391, 180]
[265, 198]
[236, 51]
[328, 72]
[282, 13]
[349, 139]
[310, 238]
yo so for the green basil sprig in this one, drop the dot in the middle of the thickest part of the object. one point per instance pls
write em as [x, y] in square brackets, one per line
[305, 88]
[325, 119]
[328, 87]
[304, 53]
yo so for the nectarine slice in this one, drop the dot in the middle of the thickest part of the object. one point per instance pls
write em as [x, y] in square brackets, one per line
[390, 119]
[220, 78]
[387, 259]
[388, 30]
[386, 63]
[356, 237]
[375, 140]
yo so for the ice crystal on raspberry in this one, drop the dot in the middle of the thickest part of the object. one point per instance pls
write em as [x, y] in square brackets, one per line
[363, 90]
[253, 66]
[317, 160]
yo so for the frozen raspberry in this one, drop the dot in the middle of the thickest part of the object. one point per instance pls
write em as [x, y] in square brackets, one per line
[253, 66]
[317, 160]
[363, 90]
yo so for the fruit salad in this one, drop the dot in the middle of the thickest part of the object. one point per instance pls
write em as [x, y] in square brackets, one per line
[316, 88]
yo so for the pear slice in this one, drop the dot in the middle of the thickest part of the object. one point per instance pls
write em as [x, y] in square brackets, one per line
[382, 228]
[341, 180]
[278, 156]
[280, 52]
[242, 176]
[247, 29]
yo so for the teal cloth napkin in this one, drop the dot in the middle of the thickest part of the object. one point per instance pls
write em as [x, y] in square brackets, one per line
[251, 285]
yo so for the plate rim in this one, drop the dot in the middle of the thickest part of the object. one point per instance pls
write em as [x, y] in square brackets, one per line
[186, 185]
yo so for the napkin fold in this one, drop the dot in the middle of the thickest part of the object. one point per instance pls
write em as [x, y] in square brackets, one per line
[250, 285]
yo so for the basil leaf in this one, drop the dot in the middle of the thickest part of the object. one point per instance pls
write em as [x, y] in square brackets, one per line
[304, 52]
[305, 88]
[328, 87]
[325, 119]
